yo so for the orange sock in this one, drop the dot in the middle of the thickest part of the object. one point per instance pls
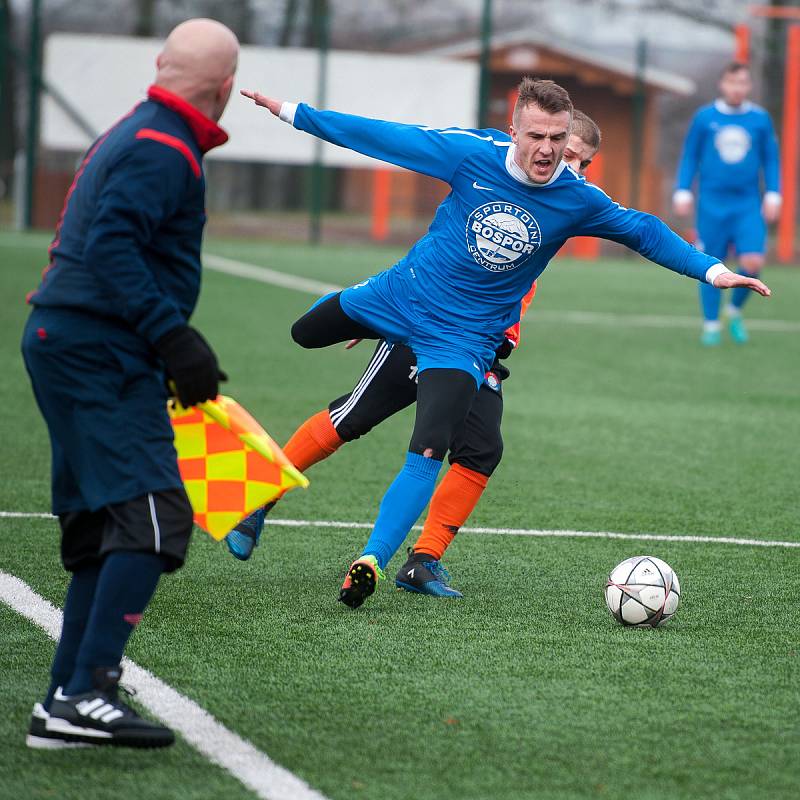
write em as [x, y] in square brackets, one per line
[313, 441]
[452, 503]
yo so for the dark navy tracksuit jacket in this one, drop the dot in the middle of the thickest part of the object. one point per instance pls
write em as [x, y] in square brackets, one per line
[124, 270]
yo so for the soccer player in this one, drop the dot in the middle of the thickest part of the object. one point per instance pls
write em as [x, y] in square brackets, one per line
[512, 204]
[731, 145]
[109, 323]
[388, 385]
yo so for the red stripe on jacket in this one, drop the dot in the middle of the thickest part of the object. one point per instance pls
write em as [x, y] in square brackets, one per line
[171, 141]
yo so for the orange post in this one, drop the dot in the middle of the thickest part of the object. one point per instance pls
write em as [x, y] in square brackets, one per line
[381, 203]
[588, 247]
[511, 101]
[742, 31]
[791, 128]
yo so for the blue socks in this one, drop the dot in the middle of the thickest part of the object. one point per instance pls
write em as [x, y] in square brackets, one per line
[126, 582]
[77, 606]
[709, 301]
[741, 293]
[402, 504]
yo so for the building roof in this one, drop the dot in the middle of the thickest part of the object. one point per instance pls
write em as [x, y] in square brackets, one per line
[532, 39]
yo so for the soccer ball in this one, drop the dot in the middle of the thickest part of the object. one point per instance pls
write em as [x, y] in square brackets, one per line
[643, 591]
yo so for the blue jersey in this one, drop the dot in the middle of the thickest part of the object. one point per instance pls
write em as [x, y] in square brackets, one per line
[730, 148]
[496, 231]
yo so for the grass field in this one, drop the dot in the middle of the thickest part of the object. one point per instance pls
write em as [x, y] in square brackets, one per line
[526, 688]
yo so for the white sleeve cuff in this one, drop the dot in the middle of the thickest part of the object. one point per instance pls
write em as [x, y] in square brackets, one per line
[682, 196]
[713, 272]
[287, 112]
[773, 199]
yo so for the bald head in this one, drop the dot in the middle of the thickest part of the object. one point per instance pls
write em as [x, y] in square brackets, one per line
[198, 63]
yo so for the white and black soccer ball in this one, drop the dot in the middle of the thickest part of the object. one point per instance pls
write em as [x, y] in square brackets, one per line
[643, 592]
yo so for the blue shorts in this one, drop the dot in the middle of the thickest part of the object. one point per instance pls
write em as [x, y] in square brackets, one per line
[386, 303]
[723, 223]
[102, 394]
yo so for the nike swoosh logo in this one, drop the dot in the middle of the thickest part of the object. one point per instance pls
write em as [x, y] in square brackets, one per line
[476, 185]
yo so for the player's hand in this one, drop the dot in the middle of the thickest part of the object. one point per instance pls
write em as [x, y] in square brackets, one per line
[259, 99]
[730, 280]
[352, 343]
[191, 365]
[771, 207]
[505, 349]
[682, 203]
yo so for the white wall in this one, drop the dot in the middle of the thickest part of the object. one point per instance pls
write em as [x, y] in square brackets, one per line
[104, 76]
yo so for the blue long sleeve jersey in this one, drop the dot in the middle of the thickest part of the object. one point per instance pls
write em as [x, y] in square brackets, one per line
[730, 148]
[127, 246]
[495, 232]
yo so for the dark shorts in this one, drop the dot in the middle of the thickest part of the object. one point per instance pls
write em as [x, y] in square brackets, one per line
[101, 392]
[158, 522]
[389, 384]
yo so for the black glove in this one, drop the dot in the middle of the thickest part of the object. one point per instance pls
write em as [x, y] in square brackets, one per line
[505, 349]
[191, 364]
[501, 370]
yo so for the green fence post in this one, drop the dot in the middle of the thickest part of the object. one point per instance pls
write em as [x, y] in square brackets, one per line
[32, 135]
[320, 12]
[484, 86]
[637, 127]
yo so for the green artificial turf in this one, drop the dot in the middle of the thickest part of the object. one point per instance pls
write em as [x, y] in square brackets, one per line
[526, 688]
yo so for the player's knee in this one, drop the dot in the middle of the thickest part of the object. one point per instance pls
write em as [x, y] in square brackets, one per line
[751, 263]
[302, 333]
[483, 461]
[353, 427]
[430, 446]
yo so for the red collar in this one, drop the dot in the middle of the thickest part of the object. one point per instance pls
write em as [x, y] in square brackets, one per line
[207, 133]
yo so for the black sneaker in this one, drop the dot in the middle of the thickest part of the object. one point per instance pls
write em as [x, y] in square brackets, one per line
[360, 581]
[101, 716]
[40, 738]
[423, 574]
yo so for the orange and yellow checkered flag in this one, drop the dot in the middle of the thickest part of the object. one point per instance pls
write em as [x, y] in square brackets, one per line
[229, 464]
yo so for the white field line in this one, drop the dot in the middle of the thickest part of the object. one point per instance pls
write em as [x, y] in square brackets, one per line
[249, 766]
[649, 320]
[253, 272]
[243, 269]
[534, 532]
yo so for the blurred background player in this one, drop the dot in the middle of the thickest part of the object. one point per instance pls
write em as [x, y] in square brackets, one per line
[731, 146]
[109, 318]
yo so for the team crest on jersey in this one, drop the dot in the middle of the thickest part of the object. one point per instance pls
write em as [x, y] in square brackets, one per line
[733, 143]
[502, 236]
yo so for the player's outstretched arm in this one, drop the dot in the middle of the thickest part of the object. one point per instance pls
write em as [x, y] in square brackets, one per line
[650, 237]
[429, 151]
